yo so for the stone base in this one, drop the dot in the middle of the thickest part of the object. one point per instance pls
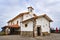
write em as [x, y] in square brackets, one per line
[45, 33]
[27, 33]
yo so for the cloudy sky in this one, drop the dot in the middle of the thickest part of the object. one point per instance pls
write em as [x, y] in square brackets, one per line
[11, 8]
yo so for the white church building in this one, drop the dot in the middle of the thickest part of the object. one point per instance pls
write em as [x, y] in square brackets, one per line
[29, 24]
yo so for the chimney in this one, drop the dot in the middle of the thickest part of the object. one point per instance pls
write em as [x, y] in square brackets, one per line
[30, 9]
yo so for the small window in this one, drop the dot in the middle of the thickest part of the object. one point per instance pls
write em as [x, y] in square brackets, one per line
[17, 22]
[46, 24]
[26, 15]
[13, 23]
[25, 25]
[43, 26]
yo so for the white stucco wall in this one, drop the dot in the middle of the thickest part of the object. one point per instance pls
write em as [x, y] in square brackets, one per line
[19, 19]
[29, 26]
[44, 24]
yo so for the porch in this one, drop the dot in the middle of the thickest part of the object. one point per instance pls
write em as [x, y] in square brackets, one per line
[11, 29]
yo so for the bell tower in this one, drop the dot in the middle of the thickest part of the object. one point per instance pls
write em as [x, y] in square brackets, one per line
[30, 9]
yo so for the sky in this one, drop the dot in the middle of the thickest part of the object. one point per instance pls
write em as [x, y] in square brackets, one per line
[10, 8]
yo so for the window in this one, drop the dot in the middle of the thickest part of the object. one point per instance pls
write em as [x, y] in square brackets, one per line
[13, 23]
[17, 22]
[46, 24]
[43, 26]
[25, 25]
[26, 15]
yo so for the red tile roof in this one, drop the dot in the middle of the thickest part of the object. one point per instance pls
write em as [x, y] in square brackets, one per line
[12, 26]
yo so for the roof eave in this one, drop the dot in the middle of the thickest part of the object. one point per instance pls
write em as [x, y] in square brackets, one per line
[21, 14]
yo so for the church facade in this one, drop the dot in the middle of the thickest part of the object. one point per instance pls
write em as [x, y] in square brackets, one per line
[29, 24]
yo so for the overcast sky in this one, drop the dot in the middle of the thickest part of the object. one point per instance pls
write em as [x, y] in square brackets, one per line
[11, 8]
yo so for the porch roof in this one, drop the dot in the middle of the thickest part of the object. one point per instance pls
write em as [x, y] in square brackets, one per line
[12, 26]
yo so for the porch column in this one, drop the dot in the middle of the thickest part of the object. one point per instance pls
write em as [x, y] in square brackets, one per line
[7, 31]
[34, 28]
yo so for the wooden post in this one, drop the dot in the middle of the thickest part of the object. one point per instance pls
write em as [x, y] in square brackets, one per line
[34, 24]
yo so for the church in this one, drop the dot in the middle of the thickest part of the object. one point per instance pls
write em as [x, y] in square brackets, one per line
[29, 24]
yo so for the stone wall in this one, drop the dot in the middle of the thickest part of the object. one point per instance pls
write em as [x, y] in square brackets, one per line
[45, 33]
[27, 33]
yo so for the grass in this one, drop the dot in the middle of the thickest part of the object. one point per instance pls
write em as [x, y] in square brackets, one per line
[2, 33]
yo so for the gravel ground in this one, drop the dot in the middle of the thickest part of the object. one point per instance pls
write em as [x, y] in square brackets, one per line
[53, 36]
[15, 37]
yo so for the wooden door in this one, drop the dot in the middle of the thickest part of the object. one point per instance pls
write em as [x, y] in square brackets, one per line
[38, 31]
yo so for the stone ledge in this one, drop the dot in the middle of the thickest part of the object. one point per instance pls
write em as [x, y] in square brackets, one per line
[45, 33]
